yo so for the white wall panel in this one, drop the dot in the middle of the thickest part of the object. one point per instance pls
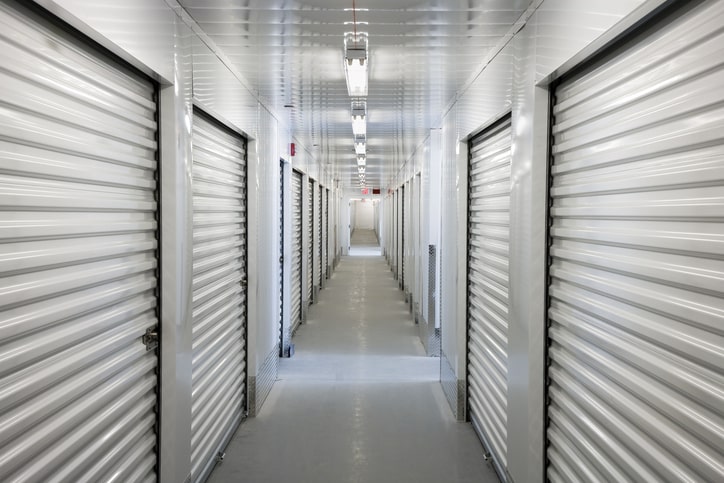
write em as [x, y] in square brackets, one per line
[176, 264]
[565, 28]
[144, 32]
[432, 179]
[264, 195]
[364, 214]
[452, 254]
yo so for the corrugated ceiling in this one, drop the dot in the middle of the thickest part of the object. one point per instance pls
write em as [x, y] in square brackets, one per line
[421, 53]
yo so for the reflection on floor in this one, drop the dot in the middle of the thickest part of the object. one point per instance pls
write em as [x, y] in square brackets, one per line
[364, 243]
[359, 401]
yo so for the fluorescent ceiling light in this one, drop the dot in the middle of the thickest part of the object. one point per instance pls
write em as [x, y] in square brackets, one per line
[359, 126]
[359, 118]
[356, 63]
[361, 160]
[360, 147]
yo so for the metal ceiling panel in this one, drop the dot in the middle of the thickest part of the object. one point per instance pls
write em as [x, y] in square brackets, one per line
[421, 53]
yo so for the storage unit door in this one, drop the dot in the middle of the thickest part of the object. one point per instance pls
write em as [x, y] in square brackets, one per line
[296, 281]
[310, 246]
[396, 230]
[487, 299]
[636, 337]
[219, 290]
[79, 259]
[325, 232]
[400, 235]
[320, 237]
[284, 338]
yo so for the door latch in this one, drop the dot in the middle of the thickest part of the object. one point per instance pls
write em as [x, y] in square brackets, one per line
[150, 338]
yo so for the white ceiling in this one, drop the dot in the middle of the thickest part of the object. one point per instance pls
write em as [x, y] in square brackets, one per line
[421, 53]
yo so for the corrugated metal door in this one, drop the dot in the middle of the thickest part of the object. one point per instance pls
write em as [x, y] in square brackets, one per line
[487, 299]
[401, 235]
[283, 338]
[310, 247]
[396, 230]
[636, 337]
[79, 259]
[296, 281]
[320, 237]
[325, 233]
[219, 290]
[403, 238]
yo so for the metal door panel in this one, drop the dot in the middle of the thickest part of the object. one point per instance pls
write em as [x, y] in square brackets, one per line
[218, 378]
[320, 237]
[310, 247]
[79, 258]
[487, 297]
[637, 237]
[328, 227]
[296, 266]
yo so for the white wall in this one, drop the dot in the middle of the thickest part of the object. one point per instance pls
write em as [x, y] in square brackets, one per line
[364, 214]
[352, 207]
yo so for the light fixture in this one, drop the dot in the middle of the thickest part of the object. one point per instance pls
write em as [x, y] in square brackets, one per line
[361, 160]
[361, 169]
[359, 117]
[360, 145]
[356, 63]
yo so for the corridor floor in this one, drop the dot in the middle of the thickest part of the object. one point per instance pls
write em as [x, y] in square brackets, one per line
[359, 401]
[364, 243]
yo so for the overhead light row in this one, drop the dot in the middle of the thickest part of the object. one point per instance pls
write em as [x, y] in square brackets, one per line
[356, 72]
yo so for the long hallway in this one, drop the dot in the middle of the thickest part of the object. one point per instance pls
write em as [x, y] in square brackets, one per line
[359, 401]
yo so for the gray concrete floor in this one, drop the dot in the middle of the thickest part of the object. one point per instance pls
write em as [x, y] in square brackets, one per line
[364, 243]
[359, 401]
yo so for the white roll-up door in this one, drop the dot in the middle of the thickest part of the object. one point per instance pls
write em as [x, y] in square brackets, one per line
[403, 238]
[488, 237]
[396, 231]
[219, 290]
[400, 235]
[310, 246]
[296, 275]
[318, 254]
[636, 337]
[325, 232]
[78, 259]
[284, 338]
